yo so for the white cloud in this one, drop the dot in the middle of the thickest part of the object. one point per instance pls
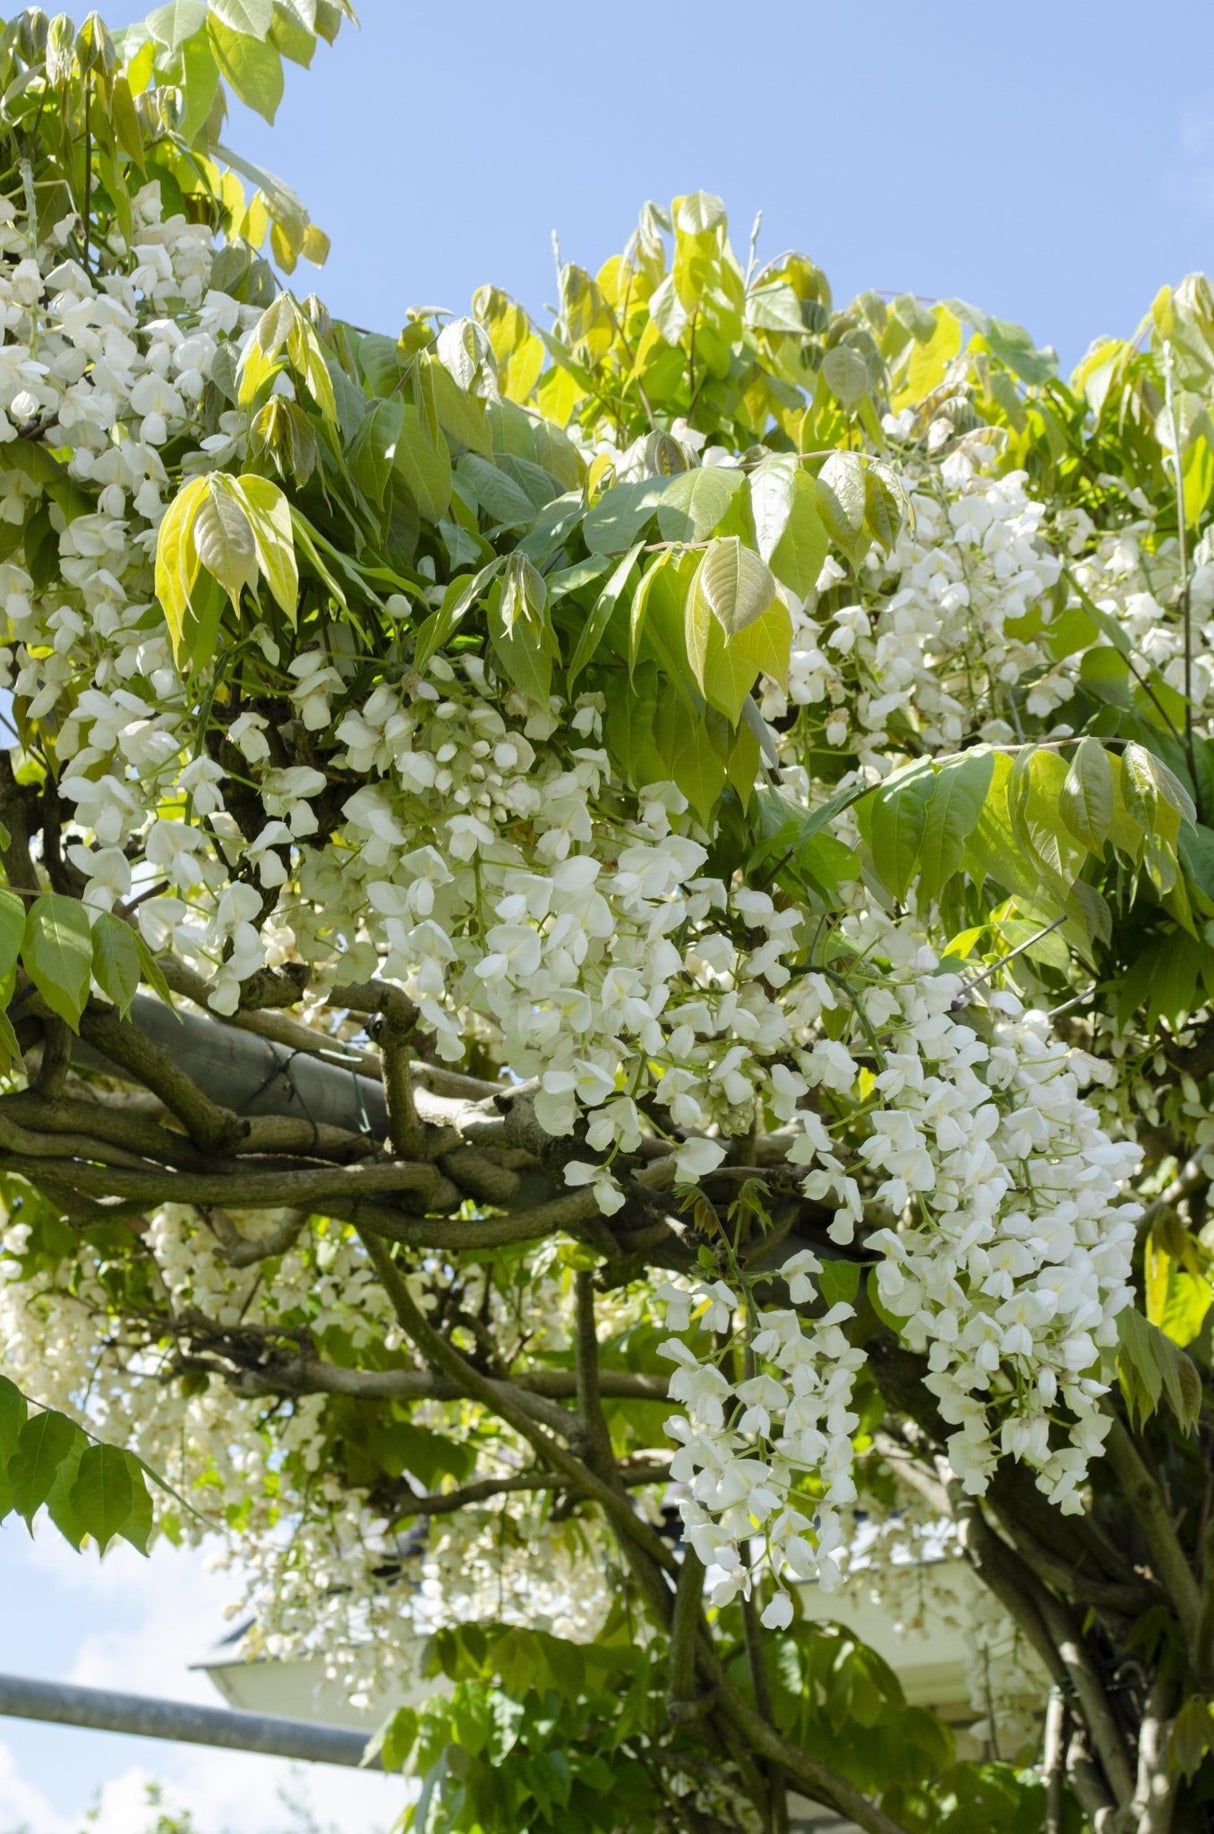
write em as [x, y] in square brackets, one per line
[173, 1610]
[229, 1793]
[137, 1624]
[21, 1804]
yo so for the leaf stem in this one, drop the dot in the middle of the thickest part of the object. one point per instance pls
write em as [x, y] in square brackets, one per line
[1186, 603]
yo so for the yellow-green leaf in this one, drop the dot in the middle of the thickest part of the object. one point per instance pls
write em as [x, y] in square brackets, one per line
[734, 584]
[269, 516]
[177, 557]
[223, 536]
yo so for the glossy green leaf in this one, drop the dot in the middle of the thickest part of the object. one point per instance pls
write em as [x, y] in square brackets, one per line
[424, 463]
[43, 1444]
[269, 517]
[1086, 799]
[115, 960]
[223, 537]
[251, 16]
[693, 505]
[898, 821]
[12, 931]
[592, 632]
[790, 534]
[840, 498]
[620, 514]
[177, 560]
[57, 953]
[14, 1413]
[950, 817]
[179, 20]
[251, 65]
[846, 374]
[733, 584]
[1150, 787]
[691, 759]
[110, 1498]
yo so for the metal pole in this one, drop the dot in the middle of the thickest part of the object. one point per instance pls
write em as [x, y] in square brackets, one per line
[142, 1717]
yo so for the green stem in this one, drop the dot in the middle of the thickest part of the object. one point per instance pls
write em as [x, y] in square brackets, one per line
[1186, 604]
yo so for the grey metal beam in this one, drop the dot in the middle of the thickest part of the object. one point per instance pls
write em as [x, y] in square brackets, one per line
[252, 1075]
[142, 1717]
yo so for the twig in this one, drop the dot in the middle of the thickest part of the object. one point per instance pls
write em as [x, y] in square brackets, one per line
[1053, 1762]
[683, 1700]
[445, 1357]
[1146, 1499]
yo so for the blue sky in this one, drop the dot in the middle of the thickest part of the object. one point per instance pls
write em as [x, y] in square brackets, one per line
[1053, 164]
[136, 1626]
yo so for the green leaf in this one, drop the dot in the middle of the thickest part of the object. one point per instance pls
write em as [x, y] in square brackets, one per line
[841, 504]
[372, 455]
[1150, 1365]
[10, 1044]
[269, 515]
[734, 584]
[177, 558]
[846, 375]
[424, 464]
[693, 505]
[109, 1497]
[1177, 1298]
[1086, 799]
[727, 665]
[291, 32]
[1139, 790]
[223, 536]
[699, 212]
[950, 818]
[524, 595]
[621, 513]
[897, 820]
[658, 620]
[58, 954]
[12, 931]
[930, 358]
[789, 532]
[839, 1282]
[13, 1415]
[42, 1446]
[507, 506]
[685, 743]
[115, 960]
[525, 644]
[461, 416]
[1146, 782]
[1192, 1737]
[883, 508]
[252, 66]
[199, 84]
[398, 1739]
[251, 16]
[171, 25]
[152, 971]
[437, 630]
[59, 1499]
[591, 633]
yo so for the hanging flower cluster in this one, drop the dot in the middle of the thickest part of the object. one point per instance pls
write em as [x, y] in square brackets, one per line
[480, 847]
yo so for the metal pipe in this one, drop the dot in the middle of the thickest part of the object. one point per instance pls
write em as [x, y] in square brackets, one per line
[142, 1717]
[252, 1075]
